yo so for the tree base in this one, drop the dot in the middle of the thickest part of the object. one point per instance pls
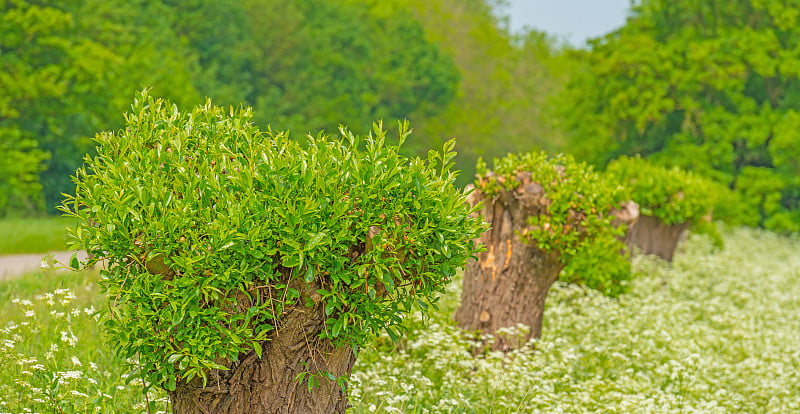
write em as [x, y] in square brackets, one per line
[654, 237]
[270, 385]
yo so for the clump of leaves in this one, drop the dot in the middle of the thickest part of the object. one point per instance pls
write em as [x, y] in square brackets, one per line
[577, 219]
[213, 231]
[671, 195]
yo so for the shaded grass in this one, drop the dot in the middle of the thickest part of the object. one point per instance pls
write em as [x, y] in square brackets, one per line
[33, 235]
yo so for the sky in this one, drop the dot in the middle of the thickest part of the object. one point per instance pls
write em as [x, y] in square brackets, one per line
[572, 20]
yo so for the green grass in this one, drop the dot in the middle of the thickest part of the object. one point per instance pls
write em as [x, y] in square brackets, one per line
[716, 332]
[33, 235]
[52, 355]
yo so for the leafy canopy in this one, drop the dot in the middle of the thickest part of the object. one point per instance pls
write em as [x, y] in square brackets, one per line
[709, 86]
[671, 195]
[214, 231]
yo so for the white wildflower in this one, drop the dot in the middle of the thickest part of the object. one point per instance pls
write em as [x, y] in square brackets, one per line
[69, 337]
[48, 297]
[70, 374]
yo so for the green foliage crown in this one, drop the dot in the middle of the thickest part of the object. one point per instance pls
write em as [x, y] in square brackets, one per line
[672, 195]
[214, 231]
[576, 203]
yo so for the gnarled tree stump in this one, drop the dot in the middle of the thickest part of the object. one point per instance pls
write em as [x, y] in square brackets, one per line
[508, 284]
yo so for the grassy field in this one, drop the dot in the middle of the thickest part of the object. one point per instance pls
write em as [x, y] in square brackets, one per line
[33, 235]
[717, 332]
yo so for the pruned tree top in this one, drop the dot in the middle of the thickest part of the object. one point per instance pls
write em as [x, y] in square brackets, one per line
[214, 231]
[567, 203]
[671, 195]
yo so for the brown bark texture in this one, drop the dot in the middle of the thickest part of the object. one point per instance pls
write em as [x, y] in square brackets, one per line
[509, 282]
[628, 214]
[269, 384]
[654, 237]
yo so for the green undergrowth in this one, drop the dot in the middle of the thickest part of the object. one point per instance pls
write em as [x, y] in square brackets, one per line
[33, 235]
[716, 332]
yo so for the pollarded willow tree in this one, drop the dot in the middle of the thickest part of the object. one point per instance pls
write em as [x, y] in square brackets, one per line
[245, 269]
[670, 201]
[711, 86]
[542, 211]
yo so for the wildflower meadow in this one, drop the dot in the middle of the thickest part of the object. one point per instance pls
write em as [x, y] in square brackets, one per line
[715, 332]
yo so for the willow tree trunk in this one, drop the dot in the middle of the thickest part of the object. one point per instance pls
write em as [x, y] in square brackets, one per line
[628, 214]
[654, 237]
[508, 284]
[269, 384]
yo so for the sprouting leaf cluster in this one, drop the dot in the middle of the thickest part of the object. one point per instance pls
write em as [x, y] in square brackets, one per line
[214, 231]
[602, 265]
[576, 203]
[672, 195]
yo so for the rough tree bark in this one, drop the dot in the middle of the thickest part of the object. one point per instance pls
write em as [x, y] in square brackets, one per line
[628, 214]
[654, 237]
[508, 284]
[268, 384]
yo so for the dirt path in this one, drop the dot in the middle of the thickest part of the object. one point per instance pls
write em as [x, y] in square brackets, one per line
[20, 264]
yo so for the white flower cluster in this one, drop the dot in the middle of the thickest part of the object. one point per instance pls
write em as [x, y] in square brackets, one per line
[716, 332]
[53, 339]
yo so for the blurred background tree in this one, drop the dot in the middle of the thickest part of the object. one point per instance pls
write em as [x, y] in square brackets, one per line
[506, 80]
[710, 86]
[705, 85]
[69, 69]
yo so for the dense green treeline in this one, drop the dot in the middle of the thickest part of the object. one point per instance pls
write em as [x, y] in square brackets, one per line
[501, 102]
[704, 85]
[711, 86]
[69, 69]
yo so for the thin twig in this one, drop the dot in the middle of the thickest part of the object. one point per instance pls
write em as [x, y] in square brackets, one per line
[144, 389]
